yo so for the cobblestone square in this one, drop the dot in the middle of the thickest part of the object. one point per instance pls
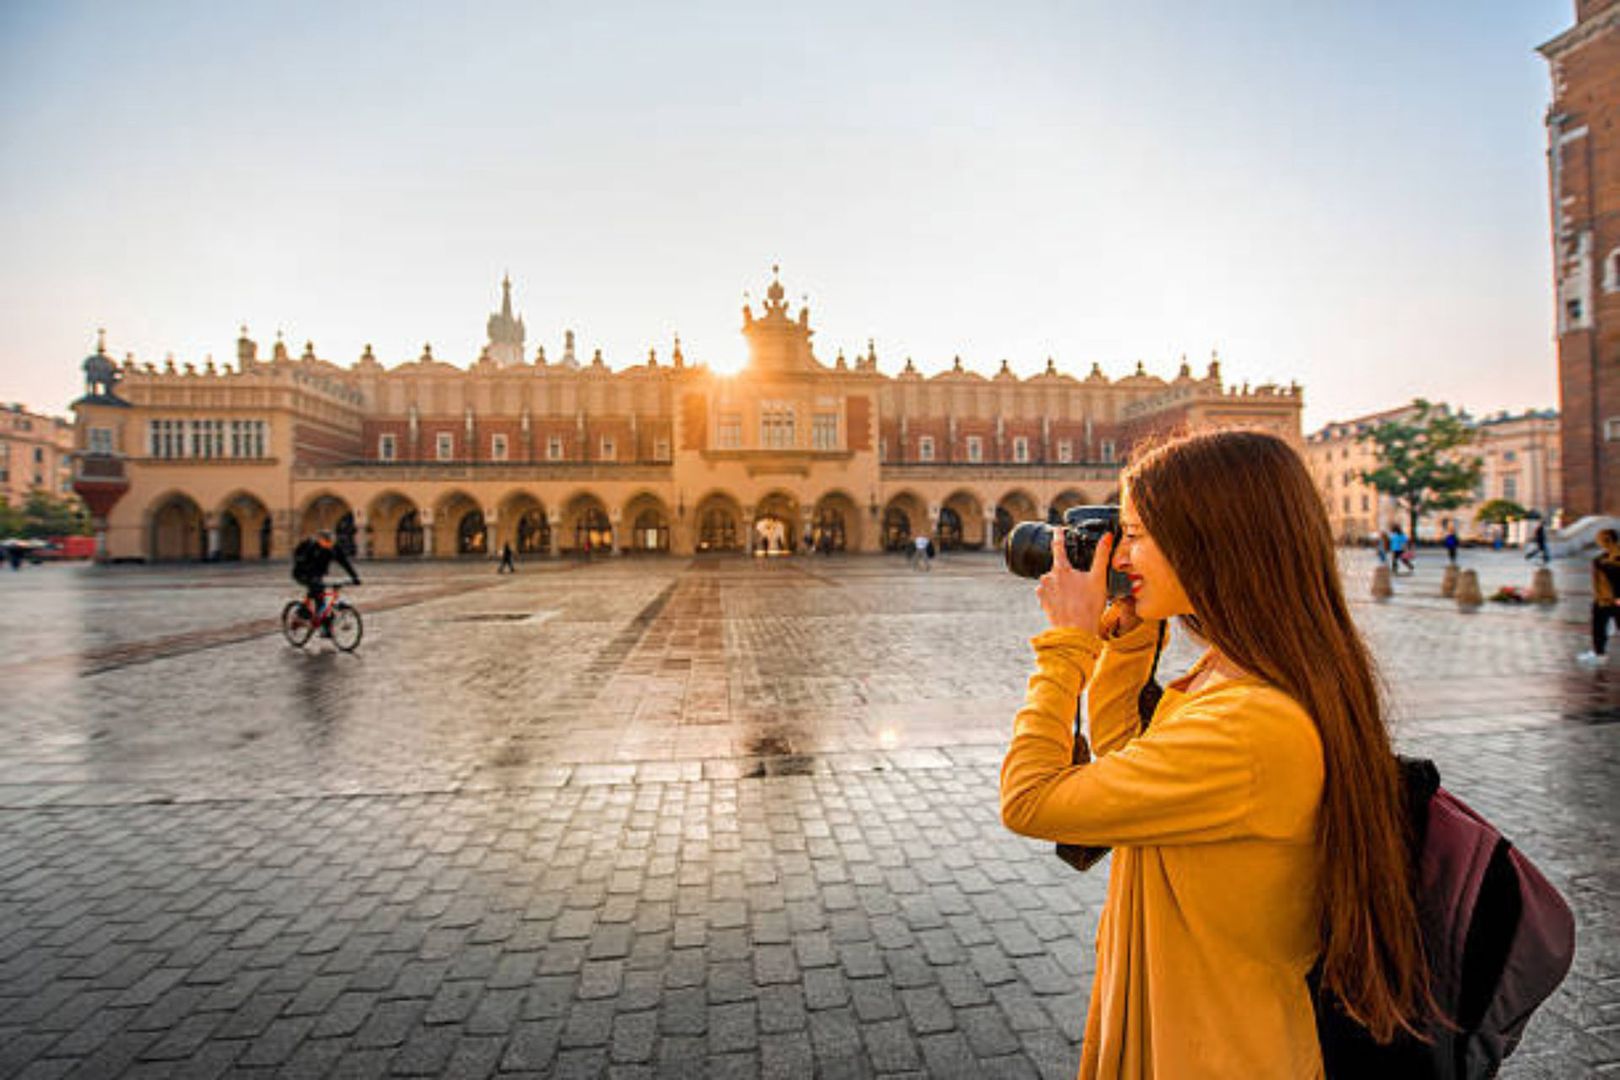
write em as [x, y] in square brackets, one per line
[642, 817]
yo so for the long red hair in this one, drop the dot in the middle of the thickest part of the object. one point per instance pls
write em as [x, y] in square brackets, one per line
[1236, 514]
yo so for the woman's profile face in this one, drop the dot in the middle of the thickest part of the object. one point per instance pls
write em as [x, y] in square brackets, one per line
[1155, 589]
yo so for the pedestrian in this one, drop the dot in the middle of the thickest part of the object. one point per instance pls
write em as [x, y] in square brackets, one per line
[1538, 544]
[508, 566]
[1605, 596]
[1228, 784]
[1400, 551]
[1451, 542]
[919, 558]
[14, 556]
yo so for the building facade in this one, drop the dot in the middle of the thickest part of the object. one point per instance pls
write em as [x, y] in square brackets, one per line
[1583, 163]
[1519, 461]
[36, 454]
[557, 456]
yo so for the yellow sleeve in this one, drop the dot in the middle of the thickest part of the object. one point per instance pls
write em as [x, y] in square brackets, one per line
[1191, 778]
[1111, 714]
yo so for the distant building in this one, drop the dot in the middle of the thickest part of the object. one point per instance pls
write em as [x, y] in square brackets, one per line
[1519, 461]
[35, 454]
[1583, 163]
[556, 456]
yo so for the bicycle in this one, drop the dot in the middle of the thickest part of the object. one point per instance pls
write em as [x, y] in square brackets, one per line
[339, 618]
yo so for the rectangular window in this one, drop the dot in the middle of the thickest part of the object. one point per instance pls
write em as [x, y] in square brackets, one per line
[261, 439]
[554, 448]
[1065, 451]
[1108, 451]
[1347, 504]
[824, 431]
[497, 448]
[660, 449]
[39, 455]
[385, 448]
[730, 432]
[101, 440]
[1611, 429]
[605, 448]
[975, 448]
[925, 448]
[1021, 450]
[1364, 505]
[776, 427]
[446, 446]
[1510, 487]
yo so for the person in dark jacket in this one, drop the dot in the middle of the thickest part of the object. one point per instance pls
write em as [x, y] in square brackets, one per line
[507, 565]
[312, 559]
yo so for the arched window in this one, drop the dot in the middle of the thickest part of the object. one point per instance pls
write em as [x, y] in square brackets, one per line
[717, 530]
[896, 529]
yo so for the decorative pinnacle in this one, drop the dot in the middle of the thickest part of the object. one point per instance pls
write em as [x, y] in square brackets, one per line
[101, 340]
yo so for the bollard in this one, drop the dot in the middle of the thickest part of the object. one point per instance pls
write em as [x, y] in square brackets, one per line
[1381, 588]
[1448, 583]
[1542, 589]
[1468, 594]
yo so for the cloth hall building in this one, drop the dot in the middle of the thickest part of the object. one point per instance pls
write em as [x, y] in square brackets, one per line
[430, 460]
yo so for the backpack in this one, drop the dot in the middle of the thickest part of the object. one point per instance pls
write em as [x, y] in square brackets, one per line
[307, 562]
[1499, 939]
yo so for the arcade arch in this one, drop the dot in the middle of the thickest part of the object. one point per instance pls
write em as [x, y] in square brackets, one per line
[458, 525]
[330, 512]
[394, 526]
[719, 523]
[961, 522]
[904, 516]
[523, 523]
[776, 524]
[649, 523]
[586, 526]
[836, 523]
[245, 526]
[176, 529]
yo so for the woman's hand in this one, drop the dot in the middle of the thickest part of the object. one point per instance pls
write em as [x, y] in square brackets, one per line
[1073, 597]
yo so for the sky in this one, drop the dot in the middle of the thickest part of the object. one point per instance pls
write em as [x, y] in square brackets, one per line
[1353, 195]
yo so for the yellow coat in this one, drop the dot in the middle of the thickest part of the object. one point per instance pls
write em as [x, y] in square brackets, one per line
[1212, 914]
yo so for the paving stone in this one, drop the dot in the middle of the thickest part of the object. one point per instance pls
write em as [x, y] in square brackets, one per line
[658, 833]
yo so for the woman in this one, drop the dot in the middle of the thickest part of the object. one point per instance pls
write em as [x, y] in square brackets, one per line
[1256, 822]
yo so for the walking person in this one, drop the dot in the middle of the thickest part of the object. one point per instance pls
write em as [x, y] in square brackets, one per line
[1538, 544]
[1267, 764]
[1400, 551]
[920, 557]
[1605, 596]
[1451, 542]
[508, 566]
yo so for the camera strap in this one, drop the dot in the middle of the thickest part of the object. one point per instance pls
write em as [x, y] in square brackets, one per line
[1081, 856]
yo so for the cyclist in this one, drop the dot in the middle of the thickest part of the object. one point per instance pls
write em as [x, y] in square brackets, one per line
[312, 558]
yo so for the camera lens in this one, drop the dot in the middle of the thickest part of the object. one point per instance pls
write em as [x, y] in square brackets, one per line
[1028, 549]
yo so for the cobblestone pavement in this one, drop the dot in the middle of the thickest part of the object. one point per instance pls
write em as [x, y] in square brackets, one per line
[640, 818]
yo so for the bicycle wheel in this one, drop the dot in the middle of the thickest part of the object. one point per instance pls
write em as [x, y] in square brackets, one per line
[295, 624]
[346, 627]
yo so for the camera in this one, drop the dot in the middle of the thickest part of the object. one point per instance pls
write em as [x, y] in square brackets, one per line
[1028, 547]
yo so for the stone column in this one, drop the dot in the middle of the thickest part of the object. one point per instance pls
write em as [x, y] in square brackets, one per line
[362, 532]
[989, 530]
[212, 522]
[492, 535]
[555, 532]
[614, 518]
[427, 534]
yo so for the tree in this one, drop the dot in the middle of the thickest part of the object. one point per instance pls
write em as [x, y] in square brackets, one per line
[11, 519]
[44, 515]
[1421, 460]
[1500, 512]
